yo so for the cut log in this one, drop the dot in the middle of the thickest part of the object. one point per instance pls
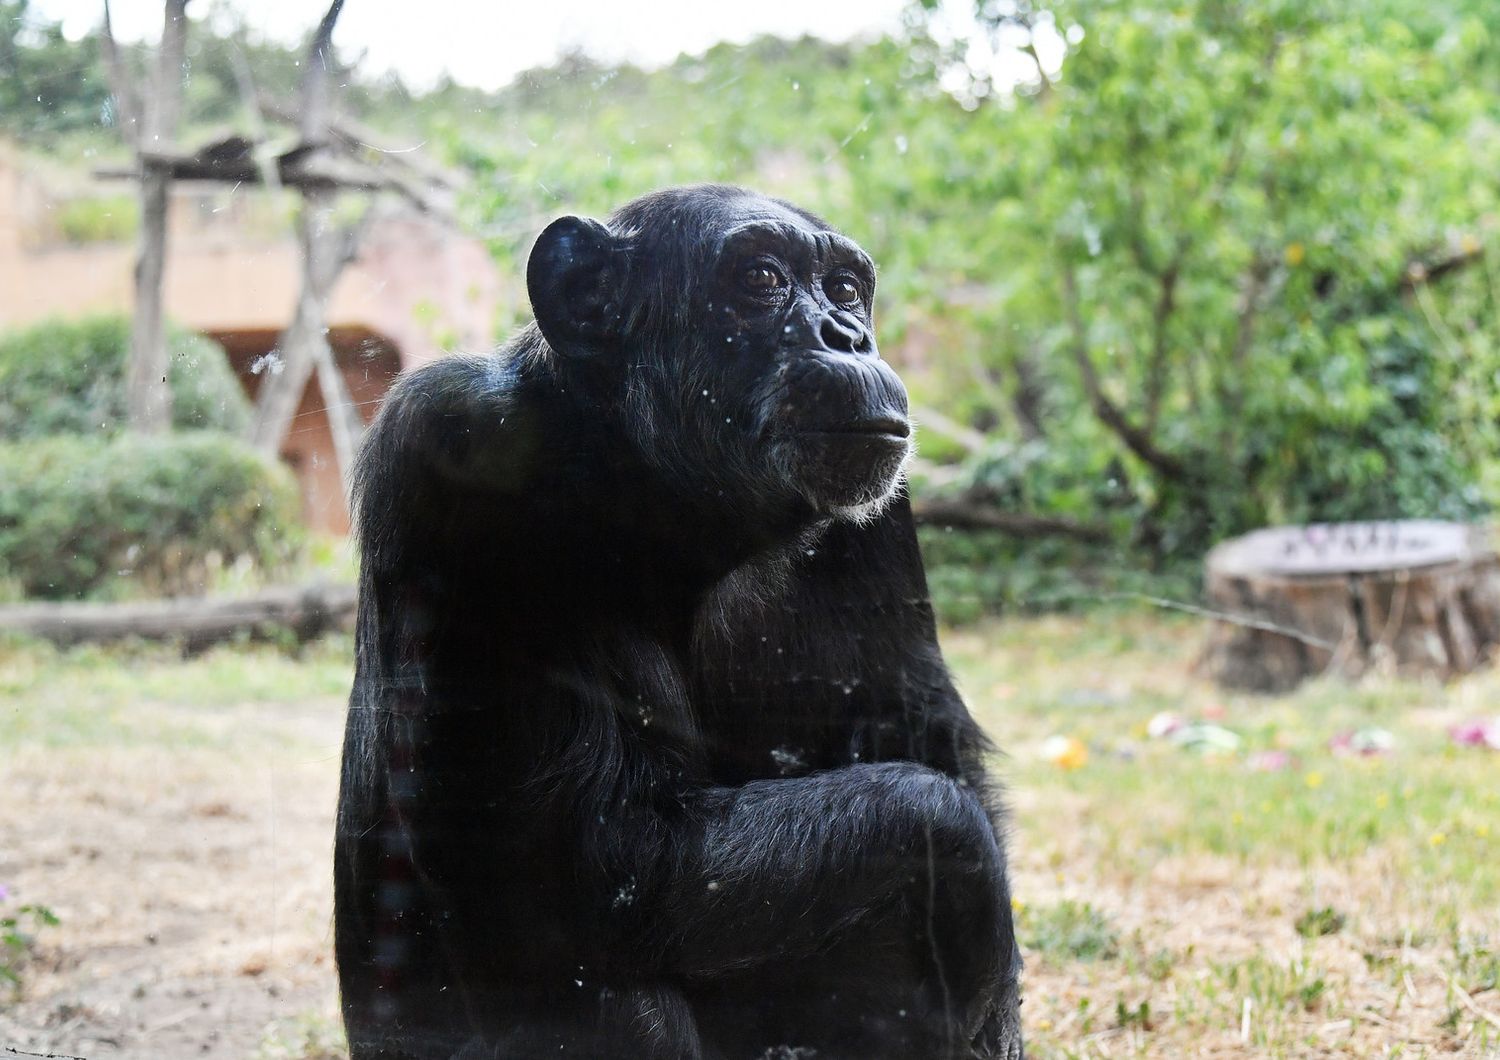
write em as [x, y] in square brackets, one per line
[197, 622]
[1407, 597]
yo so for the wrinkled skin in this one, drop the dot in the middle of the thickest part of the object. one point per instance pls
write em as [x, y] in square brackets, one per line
[652, 751]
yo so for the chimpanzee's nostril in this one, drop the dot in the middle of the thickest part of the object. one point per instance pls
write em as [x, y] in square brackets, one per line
[844, 336]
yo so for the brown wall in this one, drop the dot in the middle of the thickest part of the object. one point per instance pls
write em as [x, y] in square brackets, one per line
[417, 290]
[425, 287]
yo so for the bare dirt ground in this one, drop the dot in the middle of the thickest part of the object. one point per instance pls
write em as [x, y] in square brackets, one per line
[193, 887]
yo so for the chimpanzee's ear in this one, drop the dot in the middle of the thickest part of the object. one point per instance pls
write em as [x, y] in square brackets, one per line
[575, 279]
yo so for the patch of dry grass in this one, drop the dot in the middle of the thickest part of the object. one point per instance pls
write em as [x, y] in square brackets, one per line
[177, 816]
[1344, 907]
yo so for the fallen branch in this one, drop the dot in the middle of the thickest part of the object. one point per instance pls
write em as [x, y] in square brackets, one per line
[306, 611]
[969, 515]
[960, 433]
[1420, 272]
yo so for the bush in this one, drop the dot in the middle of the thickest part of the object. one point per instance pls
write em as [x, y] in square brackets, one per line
[972, 574]
[69, 378]
[97, 219]
[106, 518]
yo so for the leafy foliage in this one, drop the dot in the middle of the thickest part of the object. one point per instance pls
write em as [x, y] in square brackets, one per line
[85, 517]
[1172, 278]
[1190, 266]
[69, 378]
[48, 84]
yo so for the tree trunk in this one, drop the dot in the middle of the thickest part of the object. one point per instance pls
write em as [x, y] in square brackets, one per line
[1413, 597]
[148, 399]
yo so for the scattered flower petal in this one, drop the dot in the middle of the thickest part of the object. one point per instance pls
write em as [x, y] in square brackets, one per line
[1207, 739]
[1477, 732]
[1065, 752]
[1164, 724]
[1270, 761]
[1365, 742]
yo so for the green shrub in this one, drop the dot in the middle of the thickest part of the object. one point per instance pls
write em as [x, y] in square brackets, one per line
[69, 378]
[97, 219]
[106, 518]
[975, 573]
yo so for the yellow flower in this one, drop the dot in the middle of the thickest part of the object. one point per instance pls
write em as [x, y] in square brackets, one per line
[1437, 839]
[1382, 801]
[1295, 252]
[1315, 780]
[1066, 752]
[1482, 830]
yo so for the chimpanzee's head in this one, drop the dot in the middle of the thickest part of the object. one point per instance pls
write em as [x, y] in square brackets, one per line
[731, 337]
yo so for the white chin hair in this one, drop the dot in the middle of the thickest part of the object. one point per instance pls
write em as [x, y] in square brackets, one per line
[861, 514]
[868, 511]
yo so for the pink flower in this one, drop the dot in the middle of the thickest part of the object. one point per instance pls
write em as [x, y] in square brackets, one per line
[1269, 761]
[1477, 732]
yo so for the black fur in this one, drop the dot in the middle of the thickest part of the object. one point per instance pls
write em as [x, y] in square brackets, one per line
[651, 750]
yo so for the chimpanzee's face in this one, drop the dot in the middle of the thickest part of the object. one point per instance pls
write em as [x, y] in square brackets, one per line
[731, 336]
[789, 314]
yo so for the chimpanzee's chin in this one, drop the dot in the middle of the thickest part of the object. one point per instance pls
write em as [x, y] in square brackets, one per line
[846, 474]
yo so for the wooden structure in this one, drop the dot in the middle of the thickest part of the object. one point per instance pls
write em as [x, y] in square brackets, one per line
[419, 288]
[1411, 597]
[327, 158]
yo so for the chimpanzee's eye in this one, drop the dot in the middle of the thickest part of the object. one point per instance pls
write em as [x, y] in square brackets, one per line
[842, 290]
[762, 279]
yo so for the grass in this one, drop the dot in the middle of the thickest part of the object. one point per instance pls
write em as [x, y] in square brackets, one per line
[1169, 903]
[1175, 903]
[149, 695]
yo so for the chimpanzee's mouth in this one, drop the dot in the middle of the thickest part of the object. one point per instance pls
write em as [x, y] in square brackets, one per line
[892, 428]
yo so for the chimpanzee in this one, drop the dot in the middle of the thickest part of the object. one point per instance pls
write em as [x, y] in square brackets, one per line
[651, 751]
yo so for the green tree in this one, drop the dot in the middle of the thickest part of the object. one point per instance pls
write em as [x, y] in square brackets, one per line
[48, 84]
[1203, 231]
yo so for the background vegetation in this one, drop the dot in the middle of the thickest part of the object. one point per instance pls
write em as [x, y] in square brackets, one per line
[68, 377]
[86, 511]
[1170, 270]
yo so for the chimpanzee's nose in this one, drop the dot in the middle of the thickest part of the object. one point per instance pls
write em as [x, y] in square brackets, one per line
[844, 333]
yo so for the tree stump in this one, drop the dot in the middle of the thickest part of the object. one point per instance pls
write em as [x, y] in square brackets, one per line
[1409, 597]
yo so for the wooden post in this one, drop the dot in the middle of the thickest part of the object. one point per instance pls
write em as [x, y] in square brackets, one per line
[148, 120]
[326, 248]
